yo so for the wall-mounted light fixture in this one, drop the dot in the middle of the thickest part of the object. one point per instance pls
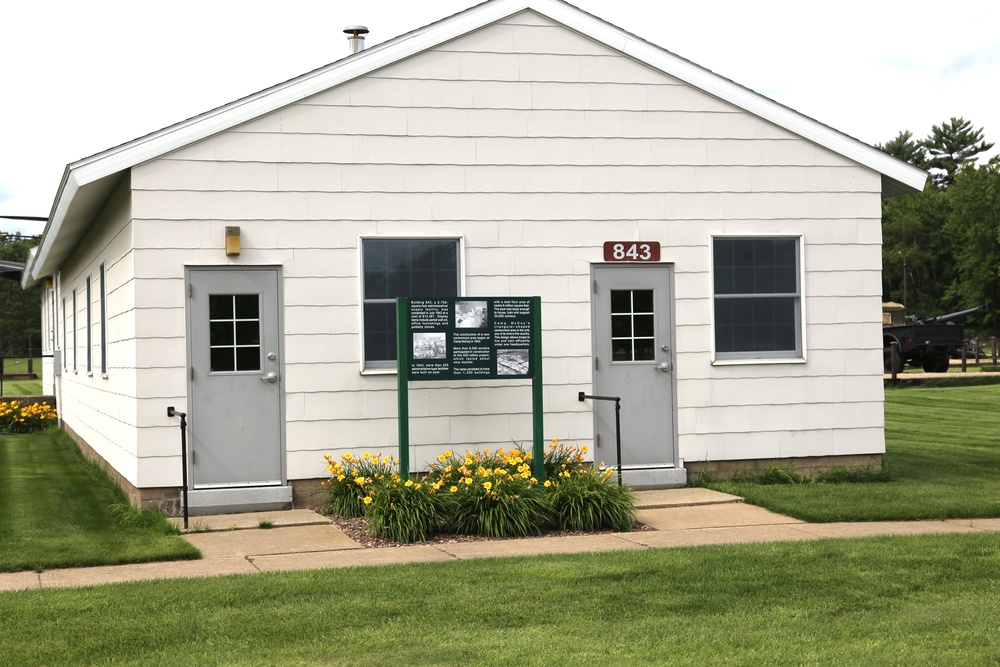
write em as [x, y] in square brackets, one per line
[232, 240]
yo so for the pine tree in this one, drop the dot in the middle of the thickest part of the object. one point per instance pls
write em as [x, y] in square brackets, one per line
[952, 146]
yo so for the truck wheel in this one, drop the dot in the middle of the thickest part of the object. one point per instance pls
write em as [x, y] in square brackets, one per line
[887, 361]
[936, 363]
[943, 363]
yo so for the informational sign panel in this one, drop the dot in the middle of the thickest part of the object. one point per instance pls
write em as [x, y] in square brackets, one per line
[471, 338]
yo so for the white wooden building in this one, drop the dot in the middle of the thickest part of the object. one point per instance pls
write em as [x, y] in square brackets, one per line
[493, 153]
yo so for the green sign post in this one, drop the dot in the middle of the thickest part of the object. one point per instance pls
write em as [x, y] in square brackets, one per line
[469, 338]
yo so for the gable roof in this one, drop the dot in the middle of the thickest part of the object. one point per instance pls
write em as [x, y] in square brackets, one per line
[87, 183]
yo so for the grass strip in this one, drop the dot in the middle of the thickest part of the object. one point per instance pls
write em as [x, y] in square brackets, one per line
[14, 388]
[875, 601]
[943, 454]
[56, 510]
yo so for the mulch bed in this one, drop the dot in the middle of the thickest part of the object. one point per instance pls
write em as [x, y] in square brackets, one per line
[357, 529]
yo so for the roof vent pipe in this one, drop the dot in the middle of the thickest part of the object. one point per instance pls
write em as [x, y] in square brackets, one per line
[356, 38]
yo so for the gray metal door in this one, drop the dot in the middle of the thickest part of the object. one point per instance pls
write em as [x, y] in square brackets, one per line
[634, 350]
[234, 378]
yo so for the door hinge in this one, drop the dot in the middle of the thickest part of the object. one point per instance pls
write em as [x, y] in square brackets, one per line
[597, 363]
[193, 457]
[597, 440]
[192, 373]
[190, 290]
[595, 287]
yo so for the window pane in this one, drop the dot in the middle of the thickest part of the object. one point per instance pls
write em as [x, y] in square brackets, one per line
[399, 283]
[621, 326]
[223, 359]
[248, 358]
[643, 326]
[621, 301]
[645, 350]
[248, 333]
[642, 301]
[755, 325]
[220, 307]
[756, 266]
[380, 331]
[247, 306]
[621, 350]
[220, 333]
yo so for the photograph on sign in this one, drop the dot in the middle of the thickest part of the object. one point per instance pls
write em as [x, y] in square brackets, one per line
[512, 362]
[470, 314]
[430, 346]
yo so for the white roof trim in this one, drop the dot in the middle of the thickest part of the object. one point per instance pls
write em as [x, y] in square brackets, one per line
[118, 159]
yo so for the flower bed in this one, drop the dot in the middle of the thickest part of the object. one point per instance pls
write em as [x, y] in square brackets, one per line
[480, 493]
[18, 417]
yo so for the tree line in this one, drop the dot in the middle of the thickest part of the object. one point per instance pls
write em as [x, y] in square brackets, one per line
[941, 247]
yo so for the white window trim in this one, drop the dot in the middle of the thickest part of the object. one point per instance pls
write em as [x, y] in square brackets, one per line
[102, 286]
[361, 284]
[753, 360]
[76, 347]
[90, 326]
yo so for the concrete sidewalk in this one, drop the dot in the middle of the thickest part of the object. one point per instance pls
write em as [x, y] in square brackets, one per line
[304, 540]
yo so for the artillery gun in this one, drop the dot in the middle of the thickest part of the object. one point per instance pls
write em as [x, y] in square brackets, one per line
[927, 342]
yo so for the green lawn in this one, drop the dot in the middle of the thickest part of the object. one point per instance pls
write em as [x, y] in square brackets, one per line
[930, 600]
[22, 387]
[13, 388]
[56, 511]
[942, 448]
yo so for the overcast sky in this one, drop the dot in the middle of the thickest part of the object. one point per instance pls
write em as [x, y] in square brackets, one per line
[81, 77]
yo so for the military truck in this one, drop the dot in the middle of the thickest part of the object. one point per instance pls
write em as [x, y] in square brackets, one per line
[924, 342]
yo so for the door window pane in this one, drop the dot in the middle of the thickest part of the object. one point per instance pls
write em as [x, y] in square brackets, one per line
[633, 335]
[234, 332]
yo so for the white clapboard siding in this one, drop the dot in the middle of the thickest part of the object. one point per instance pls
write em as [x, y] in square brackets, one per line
[534, 145]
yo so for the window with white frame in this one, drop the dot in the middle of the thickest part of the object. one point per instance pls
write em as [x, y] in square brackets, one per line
[103, 314]
[75, 348]
[394, 267]
[90, 330]
[757, 297]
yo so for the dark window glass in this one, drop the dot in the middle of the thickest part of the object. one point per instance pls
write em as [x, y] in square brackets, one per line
[220, 333]
[103, 314]
[248, 332]
[401, 267]
[220, 307]
[247, 306]
[642, 301]
[756, 296]
[223, 359]
[248, 358]
[621, 326]
[632, 325]
[234, 332]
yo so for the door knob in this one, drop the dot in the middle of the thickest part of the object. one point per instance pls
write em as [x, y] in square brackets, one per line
[270, 377]
[663, 367]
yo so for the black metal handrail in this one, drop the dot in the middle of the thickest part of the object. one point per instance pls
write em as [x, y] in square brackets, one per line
[184, 468]
[618, 425]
